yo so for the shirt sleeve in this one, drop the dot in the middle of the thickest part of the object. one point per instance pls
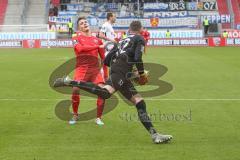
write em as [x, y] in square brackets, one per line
[138, 56]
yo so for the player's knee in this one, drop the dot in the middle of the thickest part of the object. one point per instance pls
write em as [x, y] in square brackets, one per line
[75, 90]
[101, 92]
[106, 94]
[109, 88]
[136, 99]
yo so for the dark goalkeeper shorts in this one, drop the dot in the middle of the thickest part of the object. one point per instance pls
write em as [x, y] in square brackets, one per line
[119, 82]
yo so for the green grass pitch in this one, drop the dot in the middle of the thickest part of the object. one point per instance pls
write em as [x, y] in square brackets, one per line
[206, 89]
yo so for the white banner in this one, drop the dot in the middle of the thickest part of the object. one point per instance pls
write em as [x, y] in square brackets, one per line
[166, 14]
[75, 7]
[58, 28]
[233, 41]
[155, 6]
[208, 5]
[56, 43]
[60, 19]
[180, 22]
[10, 44]
[175, 6]
[178, 42]
[26, 35]
[67, 13]
[176, 33]
[217, 18]
[192, 5]
[181, 5]
[233, 33]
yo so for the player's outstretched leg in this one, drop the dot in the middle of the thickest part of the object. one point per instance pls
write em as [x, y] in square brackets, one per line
[87, 86]
[161, 138]
[61, 82]
[146, 121]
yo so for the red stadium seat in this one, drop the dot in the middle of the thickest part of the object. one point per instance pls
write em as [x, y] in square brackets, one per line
[55, 2]
[223, 9]
[3, 7]
[236, 10]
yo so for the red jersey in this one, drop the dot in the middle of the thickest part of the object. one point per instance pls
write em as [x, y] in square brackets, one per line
[87, 50]
[146, 35]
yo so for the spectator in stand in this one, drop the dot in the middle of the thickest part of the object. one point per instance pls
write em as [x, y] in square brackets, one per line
[124, 35]
[55, 11]
[50, 12]
[63, 5]
[168, 34]
[70, 28]
[225, 34]
[51, 5]
[206, 25]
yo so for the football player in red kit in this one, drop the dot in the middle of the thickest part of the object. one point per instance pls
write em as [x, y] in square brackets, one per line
[87, 49]
[146, 36]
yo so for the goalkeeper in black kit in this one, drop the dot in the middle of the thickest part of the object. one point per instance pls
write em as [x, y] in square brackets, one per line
[122, 59]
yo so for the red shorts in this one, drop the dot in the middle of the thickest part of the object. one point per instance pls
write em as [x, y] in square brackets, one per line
[87, 75]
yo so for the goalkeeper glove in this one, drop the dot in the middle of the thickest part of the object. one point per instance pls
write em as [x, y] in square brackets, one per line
[143, 78]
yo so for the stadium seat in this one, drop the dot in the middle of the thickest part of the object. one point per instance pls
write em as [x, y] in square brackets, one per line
[3, 7]
[36, 12]
[236, 11]
[223, 9]
[55, 2]
[13, 12]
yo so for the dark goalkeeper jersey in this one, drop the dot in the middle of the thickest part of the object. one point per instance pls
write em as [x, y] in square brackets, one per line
[128, 54]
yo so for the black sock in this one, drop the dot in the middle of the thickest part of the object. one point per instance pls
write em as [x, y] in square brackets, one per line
[144, 118]
[92, 88]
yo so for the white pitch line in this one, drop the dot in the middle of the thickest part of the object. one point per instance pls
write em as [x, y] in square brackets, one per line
[149, 99]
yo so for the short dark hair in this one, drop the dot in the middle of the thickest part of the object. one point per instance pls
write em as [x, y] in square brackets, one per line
[135, 26]
[80, 18]
[109, 15]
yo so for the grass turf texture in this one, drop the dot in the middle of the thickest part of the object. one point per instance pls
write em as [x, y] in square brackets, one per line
[205, 80]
